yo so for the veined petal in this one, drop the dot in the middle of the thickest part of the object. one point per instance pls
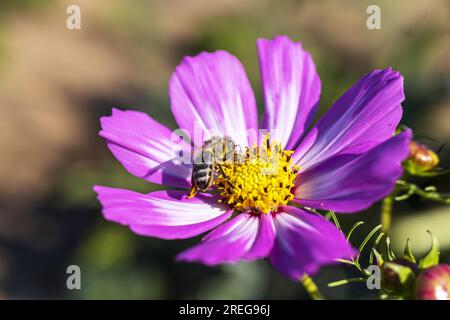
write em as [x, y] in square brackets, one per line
[146, 148]
[350, 183]
[245, 237]
[305, 242]
[162, 214]
[362, 118]
[291, 88]
[211, 91]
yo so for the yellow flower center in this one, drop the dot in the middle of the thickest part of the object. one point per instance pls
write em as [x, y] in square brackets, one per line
[260, 180]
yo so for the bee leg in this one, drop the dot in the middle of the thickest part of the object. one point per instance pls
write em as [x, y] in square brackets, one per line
[192, 192]
[219, 166]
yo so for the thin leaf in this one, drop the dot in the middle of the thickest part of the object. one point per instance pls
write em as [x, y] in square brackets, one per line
[390, 253]
[352, 263]
[432, 257]
[378, 256]
[369, 236]
[345, 281]
[335, 219]
[375, 245]
[404, 196]
[407, 253]
[355, 226]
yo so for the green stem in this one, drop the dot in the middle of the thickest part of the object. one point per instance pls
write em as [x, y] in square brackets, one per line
[412, 188]
[310, 287]
[386, 214]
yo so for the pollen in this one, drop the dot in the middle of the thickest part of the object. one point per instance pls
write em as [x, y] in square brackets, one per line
[260, 179]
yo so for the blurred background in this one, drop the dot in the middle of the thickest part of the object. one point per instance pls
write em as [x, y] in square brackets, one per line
[55, 83]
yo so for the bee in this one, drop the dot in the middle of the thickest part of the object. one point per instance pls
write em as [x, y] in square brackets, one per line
[208, 162]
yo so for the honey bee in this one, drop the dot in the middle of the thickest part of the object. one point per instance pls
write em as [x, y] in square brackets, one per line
[207, 162]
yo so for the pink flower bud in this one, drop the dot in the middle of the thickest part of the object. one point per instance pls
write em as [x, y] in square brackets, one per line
[434, 283]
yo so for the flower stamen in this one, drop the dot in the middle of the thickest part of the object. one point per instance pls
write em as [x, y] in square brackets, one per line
[260, 180]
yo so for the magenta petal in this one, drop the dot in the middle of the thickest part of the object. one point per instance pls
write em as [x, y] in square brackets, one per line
[211, 91]
[363, 117]
[146, 148]
[305, 242]
[291, 88]
[245, 237]
[162, 214]
[350, 183]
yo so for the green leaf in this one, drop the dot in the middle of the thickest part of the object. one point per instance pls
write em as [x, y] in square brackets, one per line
[390, 253]
[355, 226]
[352, 263]
[369, 236]
[432, 257]
[335, 219]
[378, 257]
[375, 245]
[345, 281]
[407, 253]
[404, 196]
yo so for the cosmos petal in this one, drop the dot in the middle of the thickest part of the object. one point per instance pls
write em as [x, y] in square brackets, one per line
[350, 183]
[245, 237]
[291, 88]
[146, 148]
[211, 93]
[305, 242]
[362, 118]
[162, 214]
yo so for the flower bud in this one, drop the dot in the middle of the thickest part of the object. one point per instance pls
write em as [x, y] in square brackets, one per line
[398, 277]
[434, 283]
[422, 157]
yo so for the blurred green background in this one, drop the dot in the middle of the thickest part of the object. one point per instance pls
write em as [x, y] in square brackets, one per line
[55, 83]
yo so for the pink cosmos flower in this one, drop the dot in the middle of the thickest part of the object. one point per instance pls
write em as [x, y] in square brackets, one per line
[347, 161]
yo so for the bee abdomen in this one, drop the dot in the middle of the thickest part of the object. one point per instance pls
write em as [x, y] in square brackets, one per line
[202, 175]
